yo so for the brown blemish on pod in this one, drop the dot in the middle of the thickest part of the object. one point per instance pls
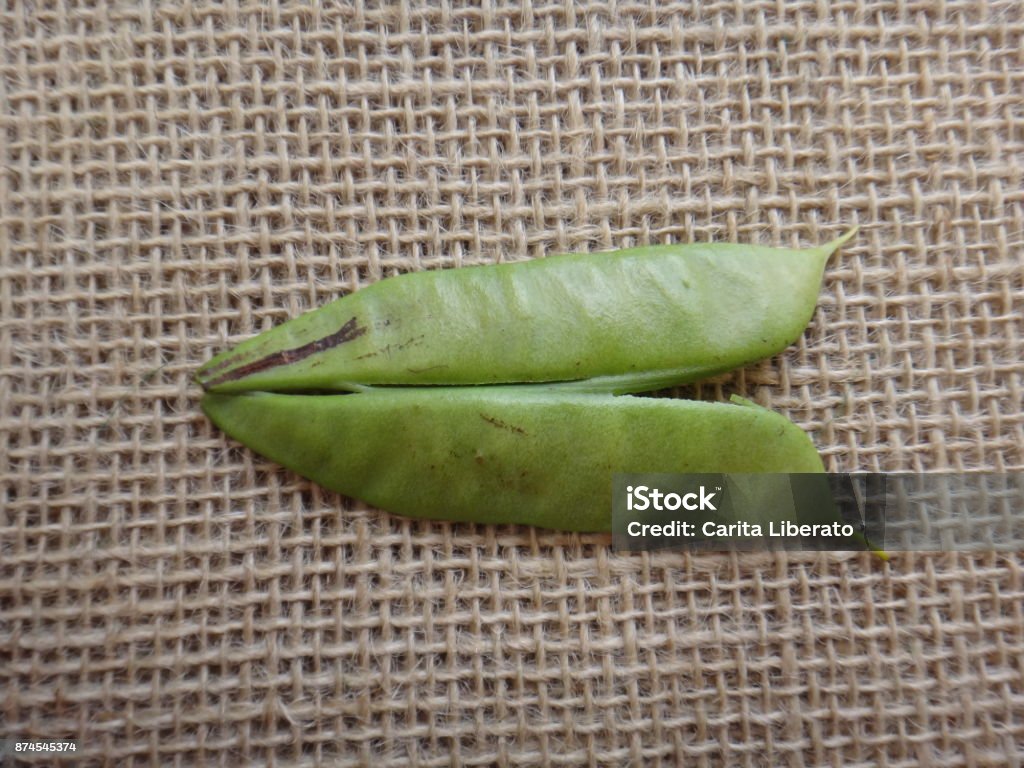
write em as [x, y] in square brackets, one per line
[349, 331]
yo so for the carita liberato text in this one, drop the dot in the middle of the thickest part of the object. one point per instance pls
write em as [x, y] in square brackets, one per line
[743, 530]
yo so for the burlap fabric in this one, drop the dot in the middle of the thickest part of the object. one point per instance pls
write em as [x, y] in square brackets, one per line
[175, 178]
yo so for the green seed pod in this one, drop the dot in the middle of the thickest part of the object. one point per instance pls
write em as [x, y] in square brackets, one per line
[621, 321]
[522, 454]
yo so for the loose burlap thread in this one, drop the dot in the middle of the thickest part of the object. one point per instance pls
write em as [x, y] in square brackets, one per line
[177, 177]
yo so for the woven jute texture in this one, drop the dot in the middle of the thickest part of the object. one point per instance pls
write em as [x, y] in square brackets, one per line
[176, 178]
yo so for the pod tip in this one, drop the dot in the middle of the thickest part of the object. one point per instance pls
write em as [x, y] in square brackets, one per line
[737, 400]
[840, 241]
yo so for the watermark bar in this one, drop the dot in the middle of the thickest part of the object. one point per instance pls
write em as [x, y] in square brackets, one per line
[868, 511]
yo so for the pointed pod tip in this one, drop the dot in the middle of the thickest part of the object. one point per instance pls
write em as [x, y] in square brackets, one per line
[213, 372]
[737, 400]
[214, 404]
[834, 245]
[209, 403]
[230, 413]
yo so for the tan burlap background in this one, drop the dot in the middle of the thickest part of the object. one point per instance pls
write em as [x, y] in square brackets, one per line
[175, 178]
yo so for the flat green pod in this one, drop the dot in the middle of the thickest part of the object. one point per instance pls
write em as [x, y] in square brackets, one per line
[518, 454]
[620, 321]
